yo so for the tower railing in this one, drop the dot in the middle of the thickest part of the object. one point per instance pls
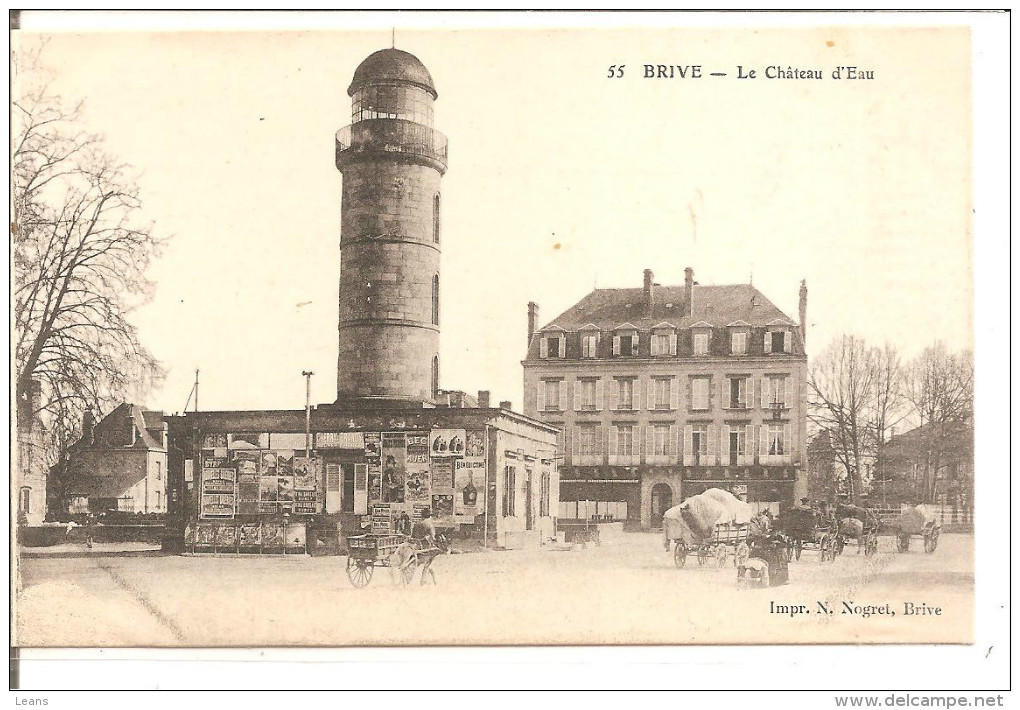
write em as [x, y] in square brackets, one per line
[387, 135]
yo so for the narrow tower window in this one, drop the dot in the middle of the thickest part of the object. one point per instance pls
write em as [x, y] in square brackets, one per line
[435, 375]
[435, 300]
[435, 218]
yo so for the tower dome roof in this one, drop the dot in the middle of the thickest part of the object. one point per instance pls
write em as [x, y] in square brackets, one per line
[392, 65]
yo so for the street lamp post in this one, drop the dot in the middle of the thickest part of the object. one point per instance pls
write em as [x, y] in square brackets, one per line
[308, 412]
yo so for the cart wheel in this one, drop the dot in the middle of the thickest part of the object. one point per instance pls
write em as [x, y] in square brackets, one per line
[680, 555]
[359, 572]
[934, 539]
[407, 571]
[903, 543]
[798, 548]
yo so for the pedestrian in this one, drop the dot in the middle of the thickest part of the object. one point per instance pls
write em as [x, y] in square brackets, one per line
[67, 531]
[88, 531]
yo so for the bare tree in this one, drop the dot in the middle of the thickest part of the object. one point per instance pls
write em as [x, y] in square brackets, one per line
[889, 406]
[940, 389]
[841, 398]
[80, 253]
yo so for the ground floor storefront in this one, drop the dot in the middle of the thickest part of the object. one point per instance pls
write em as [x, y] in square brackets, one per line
[640, 495]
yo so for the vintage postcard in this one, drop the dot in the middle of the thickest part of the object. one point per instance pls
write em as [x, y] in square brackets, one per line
[534, 335]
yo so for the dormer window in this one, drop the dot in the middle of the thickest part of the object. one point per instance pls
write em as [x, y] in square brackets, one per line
[663, 340]
[590, 343]
[625, 342]
[553, 345]
[777, 340]
[701, 343]
[738, 342]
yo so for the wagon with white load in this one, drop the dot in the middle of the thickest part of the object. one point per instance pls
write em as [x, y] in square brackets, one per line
[710, 524]
[919, 521]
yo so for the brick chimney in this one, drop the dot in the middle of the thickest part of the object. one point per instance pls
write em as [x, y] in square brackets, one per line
[649, 291]
[532, 320]
[506, 404]
[483, 399]
[88, 425]
[688, 291]
[803, 313]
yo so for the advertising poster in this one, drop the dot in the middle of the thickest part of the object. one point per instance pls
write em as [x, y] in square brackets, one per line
[272, 535]
[246, 461]
[286, 488]
[205, 534]
[285, 463]
[268, 463]
[469, 480]
[416, 469]
[442, 505]
[373, 446]
[447, 442]
[418, 487]
[268, 488]
[442, 474]
[475, 444]
[214, 441]
[244, 442]
[248, 534]
[374, 483]
[393, 455]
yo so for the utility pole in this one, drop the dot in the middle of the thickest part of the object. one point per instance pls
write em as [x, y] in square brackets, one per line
[308, 412]
[196, 390]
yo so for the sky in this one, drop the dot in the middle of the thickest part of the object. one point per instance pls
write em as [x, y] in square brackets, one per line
[560, 179]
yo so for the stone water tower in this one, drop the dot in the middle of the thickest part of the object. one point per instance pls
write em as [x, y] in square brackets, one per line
[392, 161]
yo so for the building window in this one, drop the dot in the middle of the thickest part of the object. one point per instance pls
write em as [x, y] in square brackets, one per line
[776, 435]
[699, 443]
[701, 343]
[587, 441]
[550, 395]
[662, 434]
[589, 345]
[774, 396]
[159, 500]
[25, 500]
[625, 393]
[625, 345]
[435, 300]
[662, 395]
[738, 393]
[435, 218]
[699, 392]
[624, 438]
[553, 346]
[737, 444]
[159, 470]
[777, 341]
[663, 343]
[435, 375]
[586, 395]
[738, 342]
[509, 491]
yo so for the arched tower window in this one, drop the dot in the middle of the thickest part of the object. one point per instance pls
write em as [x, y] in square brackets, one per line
[435, 375]
[435, 300]
[435, 218]
[25, 498]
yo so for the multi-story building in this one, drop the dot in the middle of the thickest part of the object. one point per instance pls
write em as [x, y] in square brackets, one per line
[664, 391]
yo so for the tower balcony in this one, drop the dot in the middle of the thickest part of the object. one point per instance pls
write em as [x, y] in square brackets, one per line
[391, 138]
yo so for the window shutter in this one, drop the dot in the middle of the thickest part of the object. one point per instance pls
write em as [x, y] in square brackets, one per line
[768, 342]
[562, 395]
[613, 438]
[649, 442]
[712, 393]
[577, 395]
[724, 395]
[786, 441]
[765, 392]
[635, 443]
[540, 403]
[599, 394]
[690, 393]
[688, 445]
[672, 343]
[672, 393]
[782, 391]
[724, 444]
[755, 392]
[614, 394]
[638, 387]
[653, 345]
[543, 347]
[616, 345]
[670, 444]
[763, 451]
[575, 443]
[710, 445]
[787, 341]
[600, 439]
[748, 442]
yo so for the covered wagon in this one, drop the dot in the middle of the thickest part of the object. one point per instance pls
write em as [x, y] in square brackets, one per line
[703, 523]
[921, 521]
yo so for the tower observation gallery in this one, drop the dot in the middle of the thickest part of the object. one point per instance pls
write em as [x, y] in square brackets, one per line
[394, 444]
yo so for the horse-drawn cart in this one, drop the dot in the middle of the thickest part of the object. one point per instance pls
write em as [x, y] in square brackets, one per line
[709, 524]
[397, 552]
[807, 529]
[918, 521]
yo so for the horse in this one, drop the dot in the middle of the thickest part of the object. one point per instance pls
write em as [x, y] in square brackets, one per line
[852, 527]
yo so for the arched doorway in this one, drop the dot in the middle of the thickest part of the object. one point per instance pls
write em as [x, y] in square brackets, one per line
[662, 500]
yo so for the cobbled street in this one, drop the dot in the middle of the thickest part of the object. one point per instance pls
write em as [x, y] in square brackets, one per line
[628, 591]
